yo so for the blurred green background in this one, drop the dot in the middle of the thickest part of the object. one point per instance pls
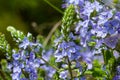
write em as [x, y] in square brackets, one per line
[34, 16]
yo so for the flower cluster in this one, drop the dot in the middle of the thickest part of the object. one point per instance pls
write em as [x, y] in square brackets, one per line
[97, 23]
[117, 76]
[95, 20]
[97, 29]
[24, 64]
[90, 30]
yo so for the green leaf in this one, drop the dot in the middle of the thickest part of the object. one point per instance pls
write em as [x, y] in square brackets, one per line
[5, 46]
[40, 39]
[91, 43]
[96, 64]
[97, 71]
[67, 20]
[17, 35]
[107, 55]
[56, 76]
[40, 78]
[116, 1]
[41, 72]
[52, 60]
[4, 64]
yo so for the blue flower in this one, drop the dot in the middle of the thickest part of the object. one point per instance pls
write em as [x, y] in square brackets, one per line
[104, 16]
[116, 54]
[118, 29]
[75, 2]
[117, 15]
[16, 56]
[23, 79]
[25, 43]
[87, 56]
[16, 76]
[99, 31]
[90, 7]
[16, 69]
[117, 77]
[25, 60]
[72, 36]
[63, 74]
[33, 75]
[112, 26]
[97, 6]
[9, 66]
[47, 54]
[32, 56]
[118, 70]
[16, 73]
[49, 71]
[111, 41]
[67, 49]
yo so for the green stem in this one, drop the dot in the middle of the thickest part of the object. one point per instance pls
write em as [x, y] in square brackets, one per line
[70, 70]
[104, 57]
[53, 6]
[49, 64]
[51, 33]
[2, 74]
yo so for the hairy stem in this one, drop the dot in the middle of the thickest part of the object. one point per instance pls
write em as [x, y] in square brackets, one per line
[51, 32]
[49, 63]
[53, 6]
[70, 70]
